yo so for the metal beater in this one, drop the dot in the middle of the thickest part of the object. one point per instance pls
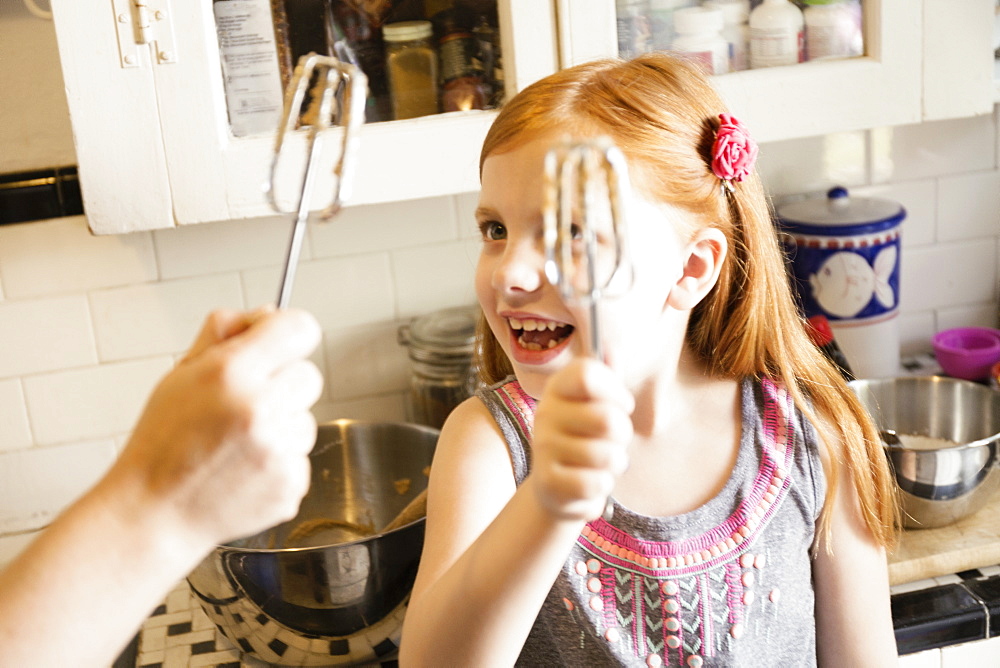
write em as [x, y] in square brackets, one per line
[586, 186]
[338, 91]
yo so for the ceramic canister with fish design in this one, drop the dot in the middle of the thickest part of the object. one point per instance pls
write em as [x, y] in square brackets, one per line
[844, 256]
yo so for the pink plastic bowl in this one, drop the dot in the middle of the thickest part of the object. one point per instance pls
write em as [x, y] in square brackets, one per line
[967, 352]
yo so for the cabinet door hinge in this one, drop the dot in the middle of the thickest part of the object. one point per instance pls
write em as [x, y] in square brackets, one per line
[140, 22]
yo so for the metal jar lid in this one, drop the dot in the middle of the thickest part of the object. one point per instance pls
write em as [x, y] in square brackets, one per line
[839, 214]
[446, 336]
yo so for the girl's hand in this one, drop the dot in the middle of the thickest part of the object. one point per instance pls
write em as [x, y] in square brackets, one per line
[221, 449]
[582, 429]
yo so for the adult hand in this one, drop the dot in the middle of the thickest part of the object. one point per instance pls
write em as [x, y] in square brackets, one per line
[581, 432]
[221, 449]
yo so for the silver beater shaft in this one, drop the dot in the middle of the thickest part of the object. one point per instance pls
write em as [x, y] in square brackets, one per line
[585, 179]
[339, 93]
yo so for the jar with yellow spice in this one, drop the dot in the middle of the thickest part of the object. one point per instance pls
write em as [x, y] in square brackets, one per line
[412, 66]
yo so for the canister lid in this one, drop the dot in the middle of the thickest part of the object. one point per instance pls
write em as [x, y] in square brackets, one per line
[839, 214]
[447, 333]
[405, 31]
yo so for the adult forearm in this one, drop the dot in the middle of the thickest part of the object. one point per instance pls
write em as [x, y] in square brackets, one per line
[481, 610]
[77, 594]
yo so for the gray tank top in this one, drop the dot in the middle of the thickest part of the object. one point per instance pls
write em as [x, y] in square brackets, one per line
[727, 584]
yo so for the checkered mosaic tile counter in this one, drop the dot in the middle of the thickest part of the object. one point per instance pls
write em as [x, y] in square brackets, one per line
[180, 635]
[937, 612]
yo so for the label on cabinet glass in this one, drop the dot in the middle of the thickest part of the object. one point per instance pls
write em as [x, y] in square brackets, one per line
[250, 65]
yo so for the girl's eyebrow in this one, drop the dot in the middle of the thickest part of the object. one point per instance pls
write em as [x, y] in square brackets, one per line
[486, 213]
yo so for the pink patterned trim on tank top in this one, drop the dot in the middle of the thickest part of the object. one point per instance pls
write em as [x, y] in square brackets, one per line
[520, 405]
[680, 603]
[713, 547]
[721, 543]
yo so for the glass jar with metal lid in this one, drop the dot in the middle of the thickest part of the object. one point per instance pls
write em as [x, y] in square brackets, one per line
[440, 349]
[412, 64]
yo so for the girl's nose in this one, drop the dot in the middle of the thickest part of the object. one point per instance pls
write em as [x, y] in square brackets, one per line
[520, 270]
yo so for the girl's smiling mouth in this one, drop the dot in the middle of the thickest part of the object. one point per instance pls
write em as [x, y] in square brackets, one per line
[534, 335]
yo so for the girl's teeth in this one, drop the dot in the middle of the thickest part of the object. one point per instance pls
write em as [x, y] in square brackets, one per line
[531, 345]
[531, 325]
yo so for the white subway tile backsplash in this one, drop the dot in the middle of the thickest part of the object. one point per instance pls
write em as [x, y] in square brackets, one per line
[435, 277]
[340, 292]
[232, 245]
[363, 361]
[159, 318]
[915, 332]
[372, 228]
[918, 199]
[95, 402]
[15, 434]
[36, 484]
[60, 256]
[42, 335]
[135, 302]
[909, 152]
[948, 274]
[383, 408]
[815, 164]
[466, 205]
[972, 315]
[968, 206]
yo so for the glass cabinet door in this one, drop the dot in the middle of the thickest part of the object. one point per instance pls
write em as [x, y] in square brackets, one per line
[802, 67]
[175, 103]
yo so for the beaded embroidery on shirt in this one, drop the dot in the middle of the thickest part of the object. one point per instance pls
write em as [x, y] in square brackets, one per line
[681, 602]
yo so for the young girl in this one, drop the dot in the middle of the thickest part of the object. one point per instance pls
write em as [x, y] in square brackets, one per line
[751, 500]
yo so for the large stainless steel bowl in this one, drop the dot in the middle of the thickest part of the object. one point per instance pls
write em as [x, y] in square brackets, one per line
[941, 436]
[327, 587]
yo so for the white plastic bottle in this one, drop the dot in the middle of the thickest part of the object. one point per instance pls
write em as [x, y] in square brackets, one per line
[776, 34]
[698, 33]
[661, 21]
[832, 29]
[735, 30]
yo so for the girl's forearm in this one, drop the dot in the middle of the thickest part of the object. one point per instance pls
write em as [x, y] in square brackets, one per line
[480, 611]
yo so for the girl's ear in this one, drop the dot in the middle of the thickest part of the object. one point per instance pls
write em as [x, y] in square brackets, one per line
[703, 258]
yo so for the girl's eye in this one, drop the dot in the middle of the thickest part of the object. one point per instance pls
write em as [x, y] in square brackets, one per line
[576, 232]
[492, 230]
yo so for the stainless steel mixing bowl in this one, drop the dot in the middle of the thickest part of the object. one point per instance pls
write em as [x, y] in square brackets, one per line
[938, 485]
[327, 587]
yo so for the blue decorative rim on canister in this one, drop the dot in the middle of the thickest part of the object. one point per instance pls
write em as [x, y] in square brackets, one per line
[844, 255]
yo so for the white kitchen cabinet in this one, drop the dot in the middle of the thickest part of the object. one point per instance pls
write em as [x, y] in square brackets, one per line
[155, 150]
[153, 141]
[925, 60]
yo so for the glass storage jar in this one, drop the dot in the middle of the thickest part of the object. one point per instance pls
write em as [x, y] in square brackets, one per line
[412, 64]
[440, 349]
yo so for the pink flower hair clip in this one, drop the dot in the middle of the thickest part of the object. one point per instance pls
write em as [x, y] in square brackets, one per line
[734, 151]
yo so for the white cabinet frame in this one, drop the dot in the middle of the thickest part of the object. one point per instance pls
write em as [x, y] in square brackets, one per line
[153, 140]
[926, 60]
[154, 147]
